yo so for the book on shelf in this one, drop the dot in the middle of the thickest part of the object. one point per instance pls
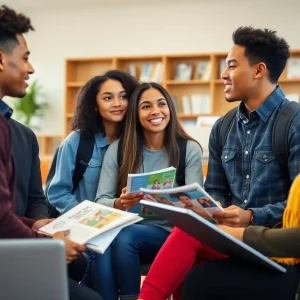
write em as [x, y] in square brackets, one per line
[183, 71]
[191, 196]
[132, 70]
[293, 68]
[92, 224]
[157, 180]
[196, 104]
[210, 234]
[157, 72]
[200, 104]
[222, 66]
[186, 105]
[146, 72]
[203, 70]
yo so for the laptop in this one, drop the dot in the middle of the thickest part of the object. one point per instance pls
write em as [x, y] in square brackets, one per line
[33, 269]
[208, 233]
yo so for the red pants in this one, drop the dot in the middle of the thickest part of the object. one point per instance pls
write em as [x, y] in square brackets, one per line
[174, 260]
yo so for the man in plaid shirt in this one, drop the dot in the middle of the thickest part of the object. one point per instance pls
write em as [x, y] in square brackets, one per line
[245, 177]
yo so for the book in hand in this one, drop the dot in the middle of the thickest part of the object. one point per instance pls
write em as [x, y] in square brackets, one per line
[92, 224]
[191, 196]
[157, 180]
[209, 234]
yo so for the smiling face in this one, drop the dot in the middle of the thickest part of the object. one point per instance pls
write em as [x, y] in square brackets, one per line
[153, 111]
[239, 76]
[112, 101]
[15, 70]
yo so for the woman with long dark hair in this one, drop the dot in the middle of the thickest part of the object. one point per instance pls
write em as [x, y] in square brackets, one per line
[150, 142]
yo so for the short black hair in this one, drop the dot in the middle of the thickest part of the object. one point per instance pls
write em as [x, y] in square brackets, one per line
[263, 45]
[12, 24]
[86, 119]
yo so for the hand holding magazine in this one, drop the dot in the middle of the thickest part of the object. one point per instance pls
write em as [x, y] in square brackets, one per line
[191, 196]
[209, 234]
[92, 224]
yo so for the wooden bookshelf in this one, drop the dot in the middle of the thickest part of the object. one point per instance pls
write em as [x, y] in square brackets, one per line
[80, 70]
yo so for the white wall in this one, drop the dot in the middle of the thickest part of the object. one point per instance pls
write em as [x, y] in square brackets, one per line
[143, 29]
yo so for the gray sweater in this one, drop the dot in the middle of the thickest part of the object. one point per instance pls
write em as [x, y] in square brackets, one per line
[283, 242]
[152, 160]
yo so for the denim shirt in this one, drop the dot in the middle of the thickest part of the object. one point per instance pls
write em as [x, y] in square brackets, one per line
[247, 173]
[60, 190]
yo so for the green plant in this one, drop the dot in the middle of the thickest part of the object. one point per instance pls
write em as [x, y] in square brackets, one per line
[29, 106]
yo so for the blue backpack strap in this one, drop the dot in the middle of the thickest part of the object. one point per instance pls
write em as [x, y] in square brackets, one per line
[83, 156]
[180, 172]
[280, 134]
[224, 128]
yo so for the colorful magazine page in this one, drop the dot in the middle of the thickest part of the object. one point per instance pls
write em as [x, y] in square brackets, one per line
[89, 220]
[157, 180]
[191, 196]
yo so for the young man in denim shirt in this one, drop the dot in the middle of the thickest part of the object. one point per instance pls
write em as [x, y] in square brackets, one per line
[245, 177]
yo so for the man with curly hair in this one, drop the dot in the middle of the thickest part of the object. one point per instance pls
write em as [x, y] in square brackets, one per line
[245, 177]
[15, 70]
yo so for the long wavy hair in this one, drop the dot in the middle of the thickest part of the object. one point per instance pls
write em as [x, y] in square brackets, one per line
[86, 119]
[132, 141]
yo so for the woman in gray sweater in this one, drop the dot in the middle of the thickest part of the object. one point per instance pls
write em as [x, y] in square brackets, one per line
[150, 142]
[238, 279]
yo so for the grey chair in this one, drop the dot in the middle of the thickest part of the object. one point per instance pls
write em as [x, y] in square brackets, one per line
[144, 269]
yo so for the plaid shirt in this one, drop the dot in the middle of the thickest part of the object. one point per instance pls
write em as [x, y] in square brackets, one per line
[247, 173]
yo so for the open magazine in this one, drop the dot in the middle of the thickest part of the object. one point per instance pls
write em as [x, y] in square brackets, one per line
[156, 181]
[210, 234]
[191, 196]
[92, 224]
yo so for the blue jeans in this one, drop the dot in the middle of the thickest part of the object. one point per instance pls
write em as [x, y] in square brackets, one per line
[117, 271]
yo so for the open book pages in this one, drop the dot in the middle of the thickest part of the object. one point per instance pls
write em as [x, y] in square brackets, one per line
[157, 180]
[92, 224]
[191, 196]
[210, 234]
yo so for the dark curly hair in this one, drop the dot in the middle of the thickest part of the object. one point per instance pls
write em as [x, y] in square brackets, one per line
[12, 24]
[263, 45]
[85, 118]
